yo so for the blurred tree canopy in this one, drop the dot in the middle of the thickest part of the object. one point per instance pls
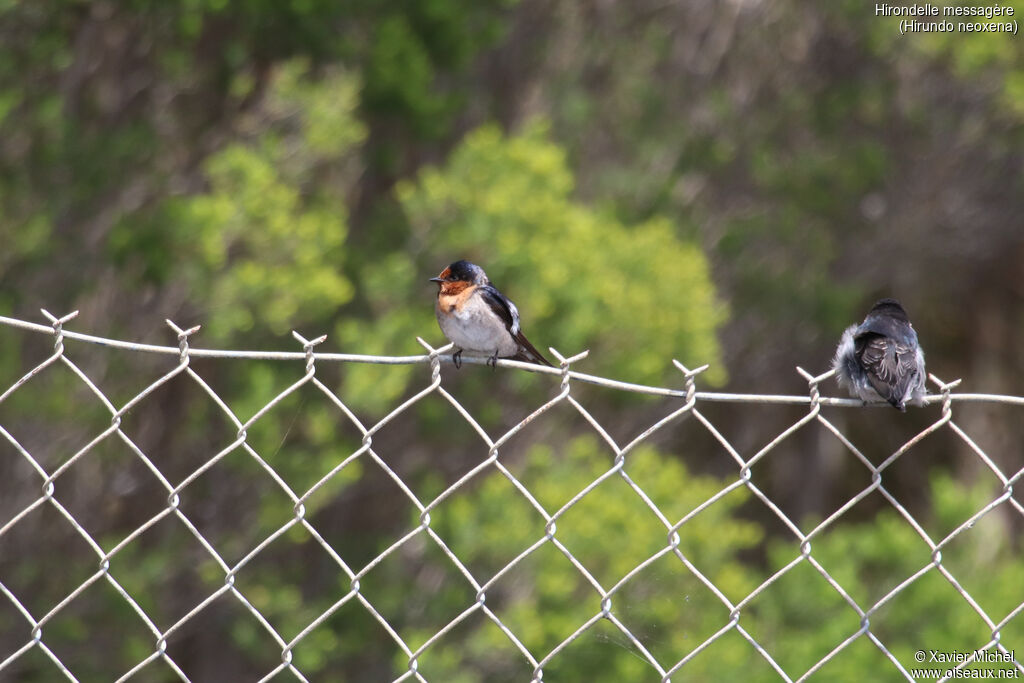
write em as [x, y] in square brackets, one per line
[726, 183]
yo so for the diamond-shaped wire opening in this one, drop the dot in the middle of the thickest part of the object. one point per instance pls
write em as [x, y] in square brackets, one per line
[484, 390]
[860, 655]
[958, 505]
[982, 563]
[867, 559]
[799, 618]
[178, 426]
[840, 469]
[166, 570]
[487, 525]
[212, 643]
[417, 588]
[430, 446]
[601, 652]
[33, 665]
[907, 468]
[762, 424]
[627, 420]
[728, 657]
[303, 438]
[552, 417]
[865, 427]
[364, 519]
[696, 446]
[119, 376]
[93, 653]
[53, 416]
[348, 637]
[372, 391]
[110, 491]
[30, 551]
[379, 478]
[557, 481]
[610, 530]
[556, 474]
[704, 506]
[814, 454]
[235, 504]
[23, 484]
[1011, 628]
[668, 609]
[342, 452]
[475, 648]
[291, 581]
[928, 613]
[543, 599]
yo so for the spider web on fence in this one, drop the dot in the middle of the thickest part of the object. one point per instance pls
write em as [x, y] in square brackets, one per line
[36, 621]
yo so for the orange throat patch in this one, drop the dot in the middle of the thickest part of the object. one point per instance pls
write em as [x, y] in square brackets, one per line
[453, 295]
[454, 288]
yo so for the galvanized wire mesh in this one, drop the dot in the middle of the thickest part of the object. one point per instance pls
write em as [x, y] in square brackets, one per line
[35, 622]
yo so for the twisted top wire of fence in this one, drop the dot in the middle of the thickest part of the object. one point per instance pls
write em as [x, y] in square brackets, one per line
[35, 623]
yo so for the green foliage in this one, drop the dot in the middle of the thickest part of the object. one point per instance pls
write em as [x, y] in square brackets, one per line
[799, 618]
[803, 618]
[265, 240]
[581, 278]
[412, 45]
[544, 599]
[285, 254]
[989, 59]
[400, 76]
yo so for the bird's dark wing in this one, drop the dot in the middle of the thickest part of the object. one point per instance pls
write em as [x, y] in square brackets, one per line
[507, 311]
[528, 353]
[891, 366]
[502, 307]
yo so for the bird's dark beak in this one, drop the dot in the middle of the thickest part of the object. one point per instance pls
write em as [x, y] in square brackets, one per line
[436, 279]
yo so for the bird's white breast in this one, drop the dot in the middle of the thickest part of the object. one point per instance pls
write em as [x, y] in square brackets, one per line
[475, 328]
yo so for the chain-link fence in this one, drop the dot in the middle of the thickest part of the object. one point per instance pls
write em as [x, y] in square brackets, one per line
[29, 617]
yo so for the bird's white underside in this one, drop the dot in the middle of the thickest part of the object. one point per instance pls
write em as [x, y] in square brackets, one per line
[477, 330]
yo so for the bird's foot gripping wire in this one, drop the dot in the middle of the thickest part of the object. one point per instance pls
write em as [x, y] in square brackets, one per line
[493, 360]
[457, 359]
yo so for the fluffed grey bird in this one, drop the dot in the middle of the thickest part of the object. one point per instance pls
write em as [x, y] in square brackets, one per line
[880, 359]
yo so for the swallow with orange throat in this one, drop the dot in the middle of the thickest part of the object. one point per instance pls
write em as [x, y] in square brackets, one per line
[479, 319]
